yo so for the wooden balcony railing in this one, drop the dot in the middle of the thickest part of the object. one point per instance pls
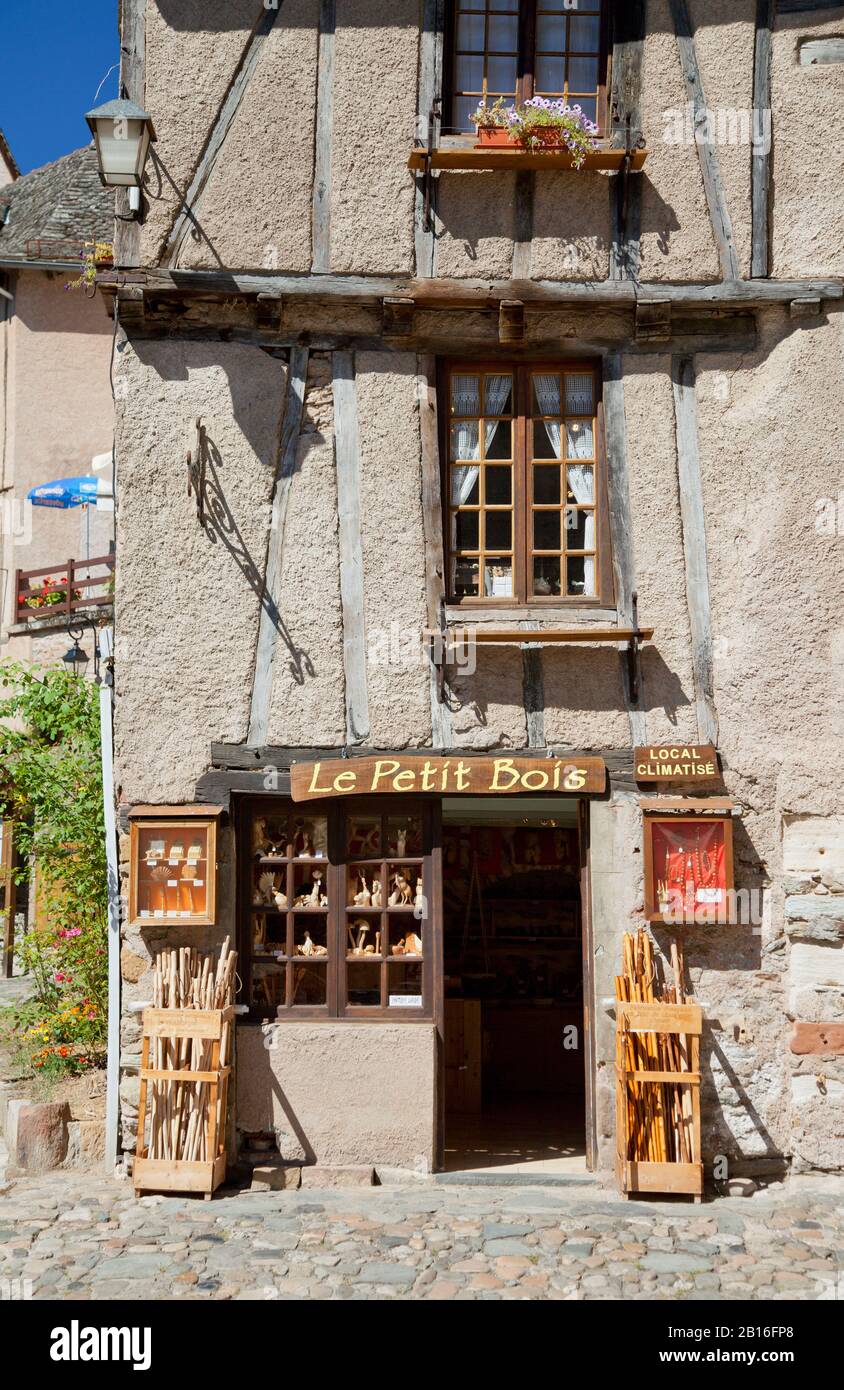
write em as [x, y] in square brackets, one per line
[62, 591]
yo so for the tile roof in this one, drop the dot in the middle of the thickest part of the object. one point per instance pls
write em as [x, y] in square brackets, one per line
[53, 210]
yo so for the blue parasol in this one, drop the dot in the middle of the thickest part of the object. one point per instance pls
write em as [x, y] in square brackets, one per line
[65, 492]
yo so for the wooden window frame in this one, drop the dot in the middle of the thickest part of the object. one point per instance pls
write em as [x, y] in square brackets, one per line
[528, 12]
[521, 502]
[339, 913]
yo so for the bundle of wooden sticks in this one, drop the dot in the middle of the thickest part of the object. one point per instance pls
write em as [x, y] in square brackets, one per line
[179, 1110]
[659, 1114]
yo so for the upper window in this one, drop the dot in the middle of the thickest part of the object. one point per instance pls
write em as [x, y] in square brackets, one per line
[516, 50]
[523, 491]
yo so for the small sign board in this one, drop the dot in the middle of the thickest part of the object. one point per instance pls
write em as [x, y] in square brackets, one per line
[446, 776]
[676, 764]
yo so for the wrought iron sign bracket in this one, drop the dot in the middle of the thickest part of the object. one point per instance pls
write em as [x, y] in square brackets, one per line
[196, 471]
[634, 645]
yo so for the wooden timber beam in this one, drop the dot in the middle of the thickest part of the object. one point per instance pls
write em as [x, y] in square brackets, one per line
[713, 185]
[761, 134]
[470, 294]
[511, 321]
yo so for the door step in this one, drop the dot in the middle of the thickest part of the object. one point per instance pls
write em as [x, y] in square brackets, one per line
[488, 1177]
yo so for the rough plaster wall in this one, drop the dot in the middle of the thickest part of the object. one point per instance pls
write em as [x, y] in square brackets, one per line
[658, 541]
[372, 192]
[392, 538]
[193, 48]
[307, 707]
[299, 1079]
[487, 705]
[571, 227]
[584, 702]
[808, 164]
[677, 241]
[775, 582]
[256, 207]
[724, 41]
[186, 613]
[775, 587]
[475, 224]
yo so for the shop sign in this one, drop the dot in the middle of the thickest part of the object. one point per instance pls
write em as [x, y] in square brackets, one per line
[446, 776]
[676, 763]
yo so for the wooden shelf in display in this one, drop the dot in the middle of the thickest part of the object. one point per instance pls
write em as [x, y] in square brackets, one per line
[514, 157]
[173, 865]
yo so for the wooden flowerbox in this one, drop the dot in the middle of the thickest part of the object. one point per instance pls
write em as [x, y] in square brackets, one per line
[508, 156]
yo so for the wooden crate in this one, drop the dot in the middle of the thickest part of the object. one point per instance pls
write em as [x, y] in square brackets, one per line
[635, 1175]
[182, 1175]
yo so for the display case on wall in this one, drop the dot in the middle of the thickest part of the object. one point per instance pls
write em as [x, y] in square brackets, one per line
[173, 865]
[688, 862]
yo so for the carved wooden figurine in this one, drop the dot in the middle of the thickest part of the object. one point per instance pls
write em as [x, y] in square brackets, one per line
[363, 898]
[402, 894]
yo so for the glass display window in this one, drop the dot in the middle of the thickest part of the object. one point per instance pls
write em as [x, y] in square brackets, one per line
[173, 866]
[337, 907]
[689, 868]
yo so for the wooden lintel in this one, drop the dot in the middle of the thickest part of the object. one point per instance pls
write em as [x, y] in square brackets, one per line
[463, 294]
[653, 320]
[511, 321]
[397, 316]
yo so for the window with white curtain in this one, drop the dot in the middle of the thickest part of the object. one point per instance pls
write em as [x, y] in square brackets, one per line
[523, 490]
[516, 49]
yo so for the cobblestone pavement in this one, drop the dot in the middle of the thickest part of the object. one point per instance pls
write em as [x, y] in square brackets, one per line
[81, 1237]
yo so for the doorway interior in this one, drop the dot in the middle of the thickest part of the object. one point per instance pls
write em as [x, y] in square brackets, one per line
[513, 974]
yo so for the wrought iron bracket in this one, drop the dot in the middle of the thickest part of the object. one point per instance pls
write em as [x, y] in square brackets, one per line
[196, 471]
[634, 646]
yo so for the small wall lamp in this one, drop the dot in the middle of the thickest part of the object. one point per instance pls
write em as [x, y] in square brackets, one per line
[122, 133]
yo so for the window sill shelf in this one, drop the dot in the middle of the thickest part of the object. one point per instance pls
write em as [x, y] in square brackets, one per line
[502, 157]
[517, 636]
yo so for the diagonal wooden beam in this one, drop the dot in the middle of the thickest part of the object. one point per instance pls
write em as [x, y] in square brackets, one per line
[186, 217]
[710, 168]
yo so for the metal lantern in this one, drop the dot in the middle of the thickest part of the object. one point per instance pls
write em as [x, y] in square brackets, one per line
[122, 132]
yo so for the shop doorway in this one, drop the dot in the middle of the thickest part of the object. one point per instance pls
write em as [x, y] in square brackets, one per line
[514, 1073]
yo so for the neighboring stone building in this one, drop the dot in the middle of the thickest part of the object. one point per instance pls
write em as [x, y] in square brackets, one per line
[592, 417]
[56, 409]
[56, 416]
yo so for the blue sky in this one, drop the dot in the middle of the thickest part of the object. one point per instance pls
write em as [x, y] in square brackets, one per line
[54, 54]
